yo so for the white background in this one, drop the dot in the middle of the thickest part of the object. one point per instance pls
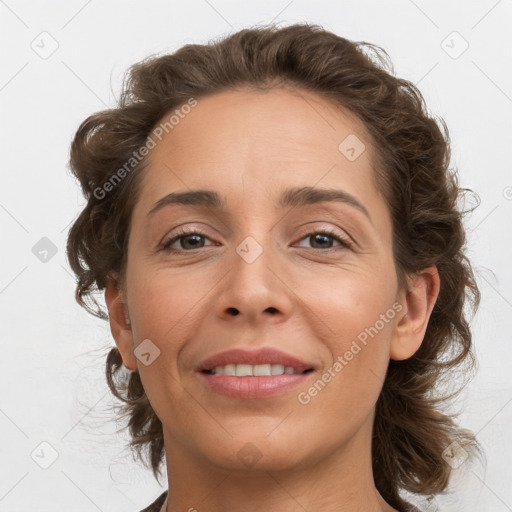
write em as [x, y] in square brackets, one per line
[52, 385]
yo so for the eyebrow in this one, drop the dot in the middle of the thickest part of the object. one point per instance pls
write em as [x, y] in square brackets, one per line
[295, 197]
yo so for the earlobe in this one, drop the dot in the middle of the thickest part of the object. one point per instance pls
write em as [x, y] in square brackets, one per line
[120, 325]
[418, 304]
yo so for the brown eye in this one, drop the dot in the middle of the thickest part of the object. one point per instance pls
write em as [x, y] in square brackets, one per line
[188, 241]
[322, 240]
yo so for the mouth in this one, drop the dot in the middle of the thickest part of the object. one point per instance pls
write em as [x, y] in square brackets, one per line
[251, 387]
[254, 374]
[265, 361]
[258, 370]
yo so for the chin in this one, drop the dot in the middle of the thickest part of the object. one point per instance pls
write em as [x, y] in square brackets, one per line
[256, 460]
[257, 453]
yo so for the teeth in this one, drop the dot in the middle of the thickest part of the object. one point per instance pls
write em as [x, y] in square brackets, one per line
[258, 370]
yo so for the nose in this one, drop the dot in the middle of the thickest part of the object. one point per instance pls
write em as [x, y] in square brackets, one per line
[255, 289]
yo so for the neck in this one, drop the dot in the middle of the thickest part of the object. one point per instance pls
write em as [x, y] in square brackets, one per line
[340, 481]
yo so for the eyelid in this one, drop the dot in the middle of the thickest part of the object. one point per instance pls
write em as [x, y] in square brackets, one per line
[182, 232]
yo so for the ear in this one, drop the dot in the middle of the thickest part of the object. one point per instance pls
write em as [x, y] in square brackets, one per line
[120, 326]
[417, 305]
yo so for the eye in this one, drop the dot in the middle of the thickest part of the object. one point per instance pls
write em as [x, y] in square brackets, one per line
[322, 237]
[193, 239]
[188, 239]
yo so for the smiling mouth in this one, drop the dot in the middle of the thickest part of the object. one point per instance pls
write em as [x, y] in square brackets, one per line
[259, 370]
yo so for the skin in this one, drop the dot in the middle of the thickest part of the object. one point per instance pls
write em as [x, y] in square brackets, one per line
[249, 146]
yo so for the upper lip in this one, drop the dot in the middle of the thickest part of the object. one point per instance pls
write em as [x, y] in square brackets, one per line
[253, 357]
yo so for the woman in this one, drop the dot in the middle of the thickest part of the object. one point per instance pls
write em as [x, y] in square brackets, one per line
[273, 223]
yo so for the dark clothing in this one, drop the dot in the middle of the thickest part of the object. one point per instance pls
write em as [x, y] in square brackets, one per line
[157, 504]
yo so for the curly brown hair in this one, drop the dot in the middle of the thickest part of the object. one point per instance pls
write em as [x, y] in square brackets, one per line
[412, 148]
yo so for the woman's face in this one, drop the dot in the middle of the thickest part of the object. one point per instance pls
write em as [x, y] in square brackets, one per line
[259, 273]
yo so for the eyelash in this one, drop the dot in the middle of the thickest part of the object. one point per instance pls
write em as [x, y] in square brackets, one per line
[344, 242]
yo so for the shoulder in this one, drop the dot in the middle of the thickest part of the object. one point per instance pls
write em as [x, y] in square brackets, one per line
[157, 504]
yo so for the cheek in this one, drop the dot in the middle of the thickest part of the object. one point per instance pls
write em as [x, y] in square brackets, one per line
[162, 310]
[350, 302]
[346, 390]
[163, 305]
[360, 317]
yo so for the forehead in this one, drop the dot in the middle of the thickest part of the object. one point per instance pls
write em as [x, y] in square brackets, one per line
[260, 141]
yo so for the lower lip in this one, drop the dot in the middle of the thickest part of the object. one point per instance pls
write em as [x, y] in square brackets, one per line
[254, 387]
